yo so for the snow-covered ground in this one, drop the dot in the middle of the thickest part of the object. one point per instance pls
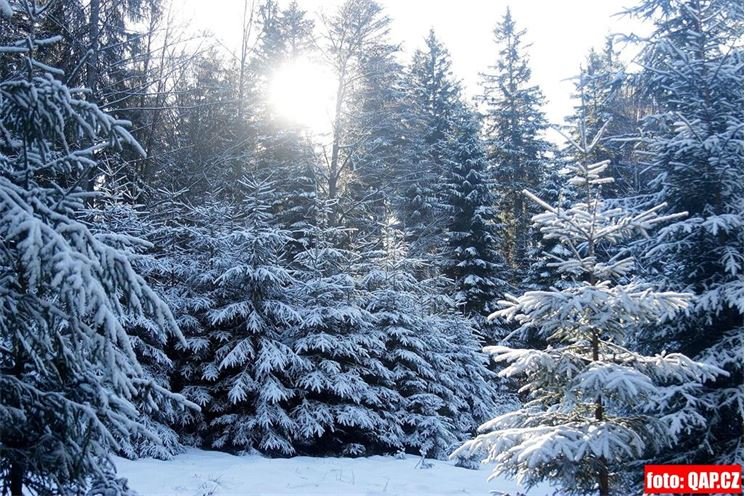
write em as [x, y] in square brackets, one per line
[209, 473]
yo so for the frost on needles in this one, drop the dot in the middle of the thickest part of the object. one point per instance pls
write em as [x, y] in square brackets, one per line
[593, 404]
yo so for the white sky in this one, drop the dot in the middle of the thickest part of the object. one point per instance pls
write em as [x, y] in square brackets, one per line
[561, 33]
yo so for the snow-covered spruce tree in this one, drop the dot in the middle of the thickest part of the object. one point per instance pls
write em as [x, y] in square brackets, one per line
[189, 255]
[441, 377]
[512, 132]
[592, 402]
[410, 353]
[375, 126]
[605, 97]
[69, 377]
[150, 346]
[470, 253]
[433, 100]
[248, 326]
[348, 403]
[693, 69]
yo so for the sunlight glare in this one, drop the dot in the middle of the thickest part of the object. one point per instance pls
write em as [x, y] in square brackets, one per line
[302, 93]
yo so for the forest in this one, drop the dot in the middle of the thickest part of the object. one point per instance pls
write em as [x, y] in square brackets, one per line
[183, 266]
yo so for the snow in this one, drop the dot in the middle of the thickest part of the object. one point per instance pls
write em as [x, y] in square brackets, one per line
[198, 473]
[5, 9]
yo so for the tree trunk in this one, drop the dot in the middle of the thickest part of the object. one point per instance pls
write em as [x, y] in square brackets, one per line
[603, 483]
[93, 35]
[15, 479]
[92, 77]
[245, 36]
[17, 469]
[603, 479]
[334, 167]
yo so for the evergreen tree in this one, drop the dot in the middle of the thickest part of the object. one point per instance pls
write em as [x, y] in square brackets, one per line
[435, 93]
[693, 70]
[470, 255]
[411, 352]
[190, 249]
[375, 126]
[433, 104]
[440, 376]
[284, 36]
[478, 394]
[593, 403]
[249, 324]
[69, 377]
[348, 403]
[515, 148]
[606, 97]
[150, 346]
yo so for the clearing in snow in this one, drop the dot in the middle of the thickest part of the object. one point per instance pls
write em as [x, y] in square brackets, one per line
[211, 473]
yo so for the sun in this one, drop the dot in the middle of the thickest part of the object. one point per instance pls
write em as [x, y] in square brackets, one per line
[302, 93]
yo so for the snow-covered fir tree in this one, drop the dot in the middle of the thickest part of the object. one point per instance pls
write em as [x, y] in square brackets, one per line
[249, 324]
[592, 403]
[477, 392]
[347, 404]
[694, 142]
[150, 346]
[410, 354]
[604, 97]
[375, 124]
[70, 381]
[189, 249]
[433, 101]
[513, 127]
[437, 370]
[470, 253]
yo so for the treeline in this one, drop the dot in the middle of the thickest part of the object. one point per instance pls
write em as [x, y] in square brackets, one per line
[181, 266]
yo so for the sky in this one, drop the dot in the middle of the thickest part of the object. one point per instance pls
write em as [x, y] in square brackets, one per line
[560, 33]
